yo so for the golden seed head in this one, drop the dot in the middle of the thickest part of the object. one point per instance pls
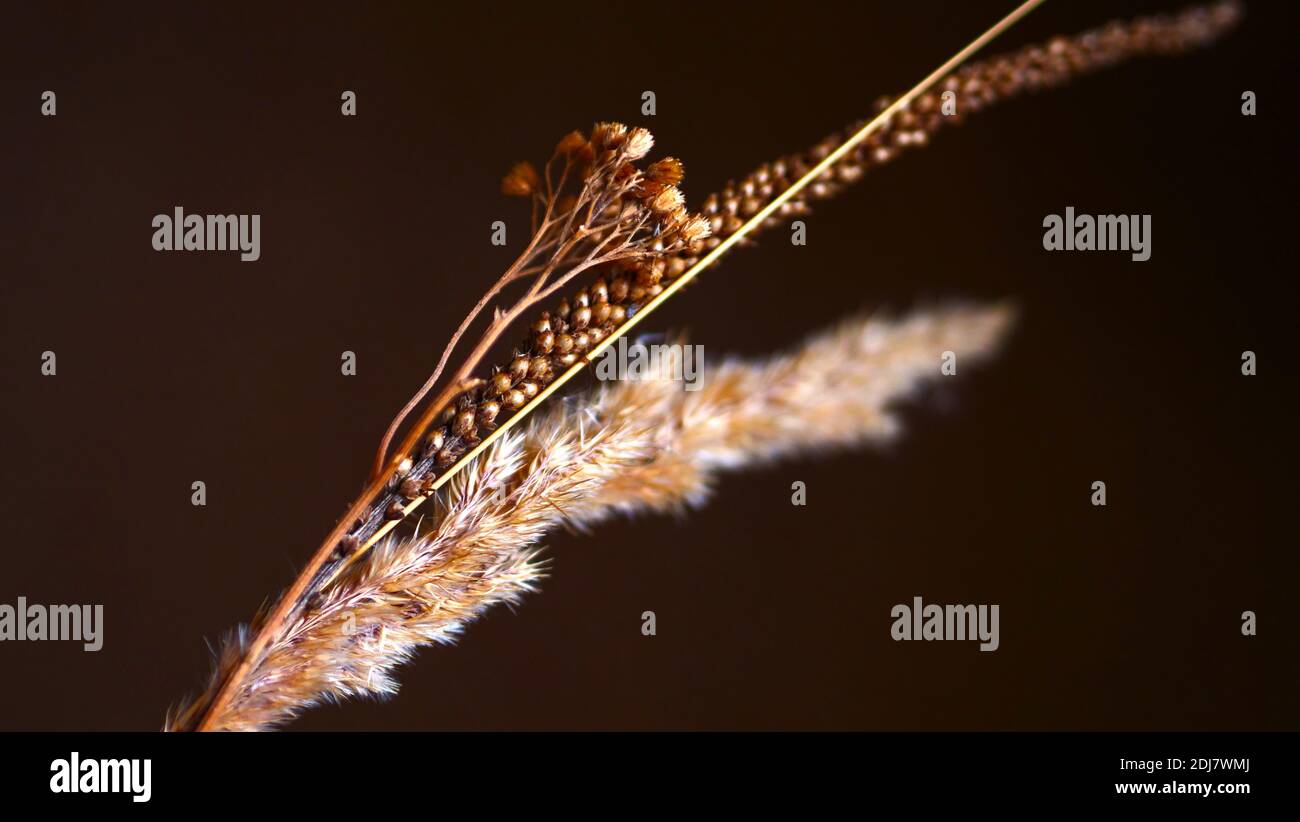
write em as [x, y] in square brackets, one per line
[572, 142]
[695, 228]
[617, 314]
[521, 181]
[567, 360]
[446, 457]
[543, 323]
[487, 412]
[600, 313]
[403, 467]
[529, 389]
[665, 172]
[582, 341]
[608, 136]
[581, 299]
[411, 488]
[667, 201]
[501, 383]
[599, 291]
[639, 142]
[618, 289]
[581, 317]
[544, 341]
[515, 399]
[564, 343]
[562, 310]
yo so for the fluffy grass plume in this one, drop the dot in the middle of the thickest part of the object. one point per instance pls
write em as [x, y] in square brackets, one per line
[632, 447]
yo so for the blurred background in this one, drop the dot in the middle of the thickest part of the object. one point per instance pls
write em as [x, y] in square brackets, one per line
[375, 238]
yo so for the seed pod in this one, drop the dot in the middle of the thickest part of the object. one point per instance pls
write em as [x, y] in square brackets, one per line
[501, 383]
[600, 313]
[433, 443]
[544, 342]
[617, 315]
[515, 398]
[618, 288]
[599, 291]
[395, 510]
[487, 412]
[581, 300]
[446, 457]
[581, 341]
[411, 488]
[518, 368]
[562, 310]
[540, 369]
[529, 389]
[543, 323]
[464, 425]
[567, 360]
[581, 317]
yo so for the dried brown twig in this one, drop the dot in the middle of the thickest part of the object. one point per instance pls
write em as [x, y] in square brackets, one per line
[633, 447]
[595, 211]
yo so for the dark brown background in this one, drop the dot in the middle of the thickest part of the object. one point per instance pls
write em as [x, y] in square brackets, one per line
[176, 367]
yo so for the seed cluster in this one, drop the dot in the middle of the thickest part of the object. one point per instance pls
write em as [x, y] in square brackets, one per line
[562, 336]
[973, 86]
[631, 221]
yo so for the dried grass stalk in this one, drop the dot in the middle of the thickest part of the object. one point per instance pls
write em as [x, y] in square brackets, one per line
[613, 238]
[633, 447]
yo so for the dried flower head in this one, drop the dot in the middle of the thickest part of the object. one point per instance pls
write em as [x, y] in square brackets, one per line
[570, 143]
[608, 136]
[668, 201]
[521, 181]
[639, 142]
[667, 171]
